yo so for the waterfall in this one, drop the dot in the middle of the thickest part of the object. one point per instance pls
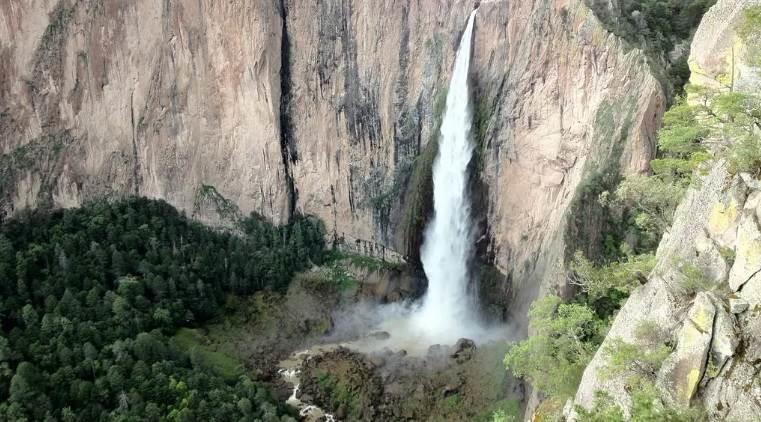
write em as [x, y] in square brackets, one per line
[446, 312]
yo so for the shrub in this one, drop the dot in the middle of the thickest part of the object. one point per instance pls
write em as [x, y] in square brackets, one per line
[633, 359]
[646, 407]
[693, 279]
[613, 281]
[564, 341]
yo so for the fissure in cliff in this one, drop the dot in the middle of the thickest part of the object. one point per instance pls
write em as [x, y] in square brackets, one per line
[288, 151]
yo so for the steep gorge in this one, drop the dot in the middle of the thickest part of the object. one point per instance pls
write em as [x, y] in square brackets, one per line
[326, 108]
[711, 331]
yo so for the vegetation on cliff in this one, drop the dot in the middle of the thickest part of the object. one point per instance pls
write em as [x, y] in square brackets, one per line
[707, 124]
[90, 297]
[659, 28]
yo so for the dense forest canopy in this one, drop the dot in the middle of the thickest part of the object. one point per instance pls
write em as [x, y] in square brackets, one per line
[90, 297]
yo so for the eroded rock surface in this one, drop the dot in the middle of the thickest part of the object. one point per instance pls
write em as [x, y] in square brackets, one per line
[714, 363]
[328, 108]
[682, 371]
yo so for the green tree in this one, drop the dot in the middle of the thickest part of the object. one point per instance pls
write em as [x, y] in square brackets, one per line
[24, 383]
[564, 339]
[616, 279]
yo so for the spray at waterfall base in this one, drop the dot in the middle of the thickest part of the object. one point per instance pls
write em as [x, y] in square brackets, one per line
[448, 311]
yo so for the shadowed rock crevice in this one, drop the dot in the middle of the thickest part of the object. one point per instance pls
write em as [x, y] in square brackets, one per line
[288, 151]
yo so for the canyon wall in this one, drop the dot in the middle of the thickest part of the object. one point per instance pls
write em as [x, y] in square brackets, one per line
[328, 108]
[175, 100]
[715, 332]
[562, 109]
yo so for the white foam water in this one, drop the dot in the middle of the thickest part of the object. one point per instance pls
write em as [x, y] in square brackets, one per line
[447, 313]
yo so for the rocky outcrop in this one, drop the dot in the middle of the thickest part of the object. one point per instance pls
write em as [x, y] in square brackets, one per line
[715, 237]
[684, 368]
[328, 108]
[662, 302]
[458, 384]
[716, 57]
[709, 339]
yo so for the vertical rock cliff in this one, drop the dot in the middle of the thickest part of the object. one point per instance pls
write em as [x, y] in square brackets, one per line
[328, 108]
[163, 99]
[715, 332]
[563, 108]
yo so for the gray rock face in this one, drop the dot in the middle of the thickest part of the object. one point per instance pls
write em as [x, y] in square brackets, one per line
[716, 229]
[747, 252]
[682, 371]
[725, 336]
[734, 394]
[704, 328]
[738, 305]
[283, 106]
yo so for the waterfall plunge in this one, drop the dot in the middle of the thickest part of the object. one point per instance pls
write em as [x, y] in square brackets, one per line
[446, 312]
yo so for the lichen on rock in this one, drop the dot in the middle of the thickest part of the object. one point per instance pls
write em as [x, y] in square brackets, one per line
[682, 371]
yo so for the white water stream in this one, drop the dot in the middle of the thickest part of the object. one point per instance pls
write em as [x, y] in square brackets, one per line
[447, 311]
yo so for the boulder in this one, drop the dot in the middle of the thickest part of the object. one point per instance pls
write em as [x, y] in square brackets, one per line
[738, 305]
[682, 371]
[748, 253]
[725, 338]
[753, 203]
[435, 348]
[750, 320]
[380, 335]
[463, 348]
[377, 360]
[750, 181]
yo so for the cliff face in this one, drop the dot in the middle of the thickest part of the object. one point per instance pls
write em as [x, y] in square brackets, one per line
[716, 231]
[327, 108]
[561, 110]
[151, 98]
[712, 329]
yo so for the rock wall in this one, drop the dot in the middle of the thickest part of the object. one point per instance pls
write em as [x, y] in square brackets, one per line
[151, 98]
[327, 108]
[716, 332]
[559, 105]
[716, 234]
